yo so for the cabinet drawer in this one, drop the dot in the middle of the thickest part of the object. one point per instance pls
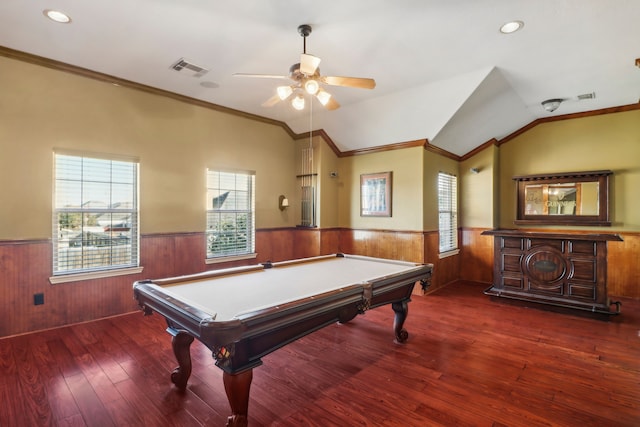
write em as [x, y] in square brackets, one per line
[582, 248]
[509, 282]
[587, 292]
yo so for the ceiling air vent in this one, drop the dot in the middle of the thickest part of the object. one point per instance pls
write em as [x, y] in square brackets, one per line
[587, 96]
[187, 67]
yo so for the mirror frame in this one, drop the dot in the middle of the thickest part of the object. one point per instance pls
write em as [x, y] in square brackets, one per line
[601, 177]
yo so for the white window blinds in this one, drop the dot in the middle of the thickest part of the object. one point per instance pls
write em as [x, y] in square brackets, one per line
[230, 213]
[95, 217]
[448, 211]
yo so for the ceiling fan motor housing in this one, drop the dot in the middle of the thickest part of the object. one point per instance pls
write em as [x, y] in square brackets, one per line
[296, 75]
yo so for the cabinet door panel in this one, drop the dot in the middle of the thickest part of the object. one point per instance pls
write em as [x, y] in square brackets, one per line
[584, 269]
[511, 262]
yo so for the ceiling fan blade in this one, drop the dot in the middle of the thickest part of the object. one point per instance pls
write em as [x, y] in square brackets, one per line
[271, 101]
[358, 82]
[260, 76]
[309, 64]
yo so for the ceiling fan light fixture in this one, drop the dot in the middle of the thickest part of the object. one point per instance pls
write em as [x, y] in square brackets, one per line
[311, 86]
[298, 102]
[551, 105]
[323, 96]
[284, 92]
[309, 64]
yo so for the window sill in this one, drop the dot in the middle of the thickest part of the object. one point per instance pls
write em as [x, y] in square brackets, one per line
[448, 253]
[222, 259]
[94, 275]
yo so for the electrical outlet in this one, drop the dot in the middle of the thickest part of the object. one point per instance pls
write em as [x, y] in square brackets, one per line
[38, 299]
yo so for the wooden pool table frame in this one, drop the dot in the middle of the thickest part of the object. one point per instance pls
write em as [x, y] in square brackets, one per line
[239, 344]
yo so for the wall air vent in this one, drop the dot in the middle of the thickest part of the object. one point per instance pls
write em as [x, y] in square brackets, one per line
[187, 67]
[586, 96]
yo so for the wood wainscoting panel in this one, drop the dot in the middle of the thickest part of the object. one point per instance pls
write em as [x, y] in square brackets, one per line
[275, 244]
[190, 251]
[157, 255]
[476, 255]
[166, 255]
[400, 245]
[306, 242]
[406, 246]
[330, 241]
[445, 270]
[25, 269]
[623, 271]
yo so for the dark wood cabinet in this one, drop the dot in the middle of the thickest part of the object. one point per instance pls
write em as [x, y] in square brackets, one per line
[566, 270]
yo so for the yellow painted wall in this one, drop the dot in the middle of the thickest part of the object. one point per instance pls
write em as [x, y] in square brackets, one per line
[42, 109]
[329, 185]
[407, 167]
[609, 141]
[476, 189]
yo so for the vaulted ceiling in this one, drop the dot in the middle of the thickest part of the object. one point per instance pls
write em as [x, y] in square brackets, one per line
[444, 71]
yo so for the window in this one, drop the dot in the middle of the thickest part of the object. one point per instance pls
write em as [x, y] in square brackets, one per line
[230, 214]
[95, 217]
[448, 211]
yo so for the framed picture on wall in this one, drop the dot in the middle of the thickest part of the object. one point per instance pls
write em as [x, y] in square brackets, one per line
[375, 194]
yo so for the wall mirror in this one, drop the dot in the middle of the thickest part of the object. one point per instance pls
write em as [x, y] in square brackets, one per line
[569, 198]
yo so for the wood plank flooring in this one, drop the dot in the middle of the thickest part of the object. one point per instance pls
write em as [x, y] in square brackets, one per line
[469, 361]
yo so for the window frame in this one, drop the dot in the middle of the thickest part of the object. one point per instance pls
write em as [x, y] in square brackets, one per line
[108, 239]
[448, 233]
[249, 209]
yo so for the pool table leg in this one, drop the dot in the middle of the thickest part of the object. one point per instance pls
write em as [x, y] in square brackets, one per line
[401, 308]
[237, 388]
[181, 343]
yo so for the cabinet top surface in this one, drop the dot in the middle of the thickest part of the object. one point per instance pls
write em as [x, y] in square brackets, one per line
[553, 235]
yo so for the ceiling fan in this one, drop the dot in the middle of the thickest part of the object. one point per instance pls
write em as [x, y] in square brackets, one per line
[306, 78]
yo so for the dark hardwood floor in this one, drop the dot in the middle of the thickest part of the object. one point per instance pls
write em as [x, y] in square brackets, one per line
[469, 361]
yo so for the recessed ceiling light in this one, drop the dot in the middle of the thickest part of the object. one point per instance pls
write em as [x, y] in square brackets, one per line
[511, 27]
[56, 15]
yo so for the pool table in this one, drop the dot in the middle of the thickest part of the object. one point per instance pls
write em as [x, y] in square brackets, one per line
[242, 314]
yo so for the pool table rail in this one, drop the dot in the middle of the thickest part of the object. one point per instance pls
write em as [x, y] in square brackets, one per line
[270, 329]
[152, 298]
[390, 289]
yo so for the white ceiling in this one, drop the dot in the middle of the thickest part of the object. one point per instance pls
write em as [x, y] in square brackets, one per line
[444, 72]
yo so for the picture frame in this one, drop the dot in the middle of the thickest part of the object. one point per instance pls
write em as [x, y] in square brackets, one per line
[375, 194]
